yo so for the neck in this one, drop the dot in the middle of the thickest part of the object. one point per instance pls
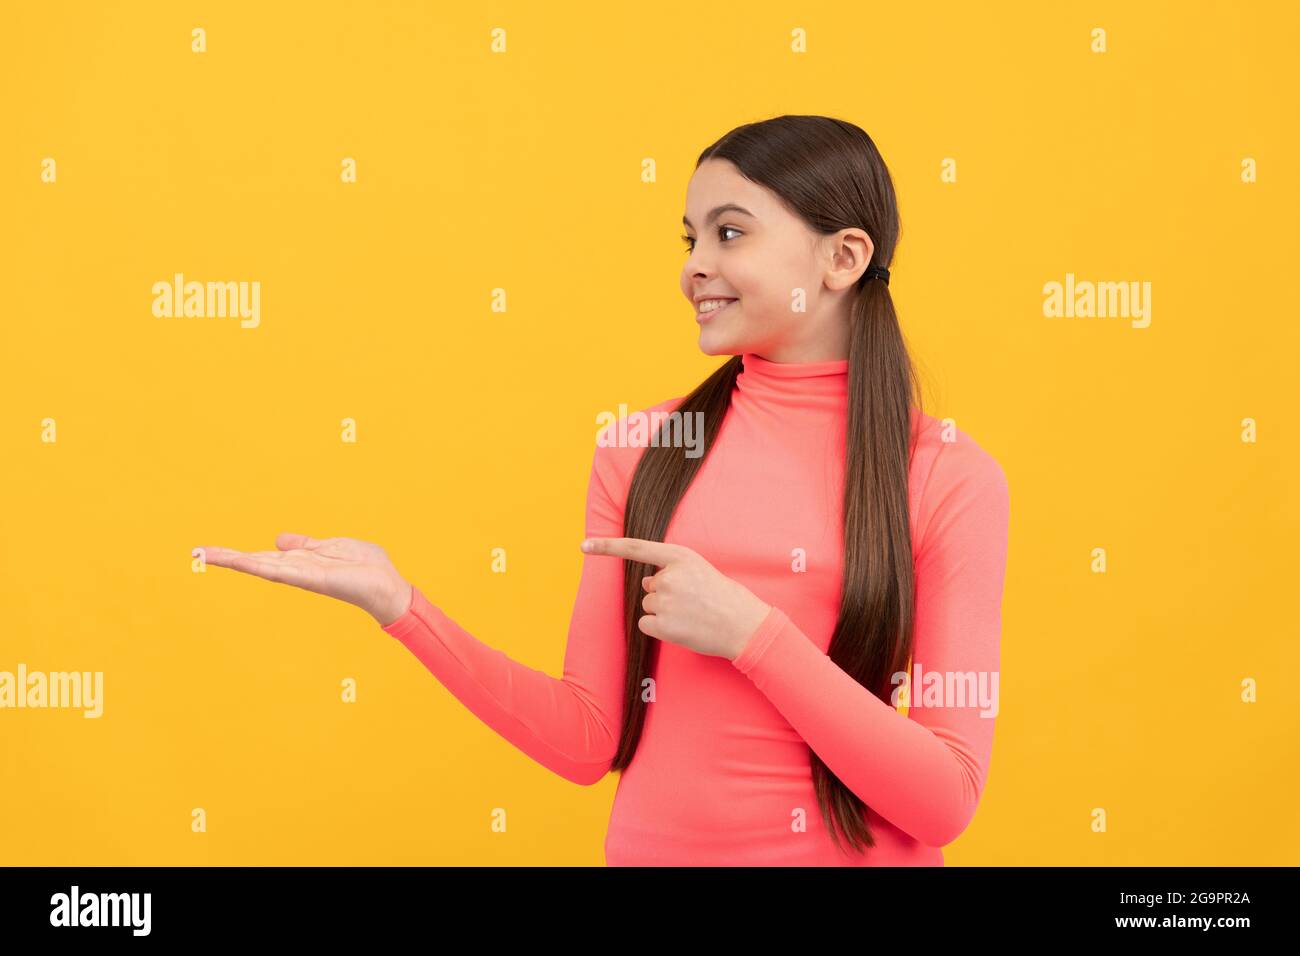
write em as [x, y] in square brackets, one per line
[820, 386]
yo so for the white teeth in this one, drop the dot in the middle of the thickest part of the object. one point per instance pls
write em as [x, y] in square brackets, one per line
[709, 305]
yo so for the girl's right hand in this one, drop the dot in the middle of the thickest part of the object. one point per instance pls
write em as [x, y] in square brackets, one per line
[357, 572]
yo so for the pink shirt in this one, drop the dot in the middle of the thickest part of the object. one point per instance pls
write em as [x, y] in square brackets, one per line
[722, 774]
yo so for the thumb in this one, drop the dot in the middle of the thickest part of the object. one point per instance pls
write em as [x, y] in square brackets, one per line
[289, 542]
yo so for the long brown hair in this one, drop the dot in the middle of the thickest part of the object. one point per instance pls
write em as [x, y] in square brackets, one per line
[829, 172]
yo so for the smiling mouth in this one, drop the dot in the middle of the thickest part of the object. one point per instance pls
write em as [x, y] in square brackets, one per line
[703, 317]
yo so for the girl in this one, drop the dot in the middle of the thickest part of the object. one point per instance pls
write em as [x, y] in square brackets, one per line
[745, 617]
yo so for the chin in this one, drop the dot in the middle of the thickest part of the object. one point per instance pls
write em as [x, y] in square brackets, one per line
[712, 345]
[714, 341]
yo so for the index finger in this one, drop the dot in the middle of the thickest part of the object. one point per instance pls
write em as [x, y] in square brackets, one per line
[635, 549]
[220, 557]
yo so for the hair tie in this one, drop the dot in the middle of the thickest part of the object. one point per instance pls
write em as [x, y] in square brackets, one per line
[876, 272]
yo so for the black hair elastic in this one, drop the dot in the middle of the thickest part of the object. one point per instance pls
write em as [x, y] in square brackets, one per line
[876, 272]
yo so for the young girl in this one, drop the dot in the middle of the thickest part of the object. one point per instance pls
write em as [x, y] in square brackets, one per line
[746, 616]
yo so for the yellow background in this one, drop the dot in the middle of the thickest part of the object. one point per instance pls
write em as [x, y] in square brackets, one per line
[521, 170]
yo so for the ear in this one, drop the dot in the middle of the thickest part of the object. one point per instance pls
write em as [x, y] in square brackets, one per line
[850, 252]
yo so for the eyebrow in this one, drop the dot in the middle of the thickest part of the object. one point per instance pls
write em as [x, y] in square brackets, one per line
[725, 207]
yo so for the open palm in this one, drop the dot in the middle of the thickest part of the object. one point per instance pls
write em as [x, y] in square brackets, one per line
[357, 572]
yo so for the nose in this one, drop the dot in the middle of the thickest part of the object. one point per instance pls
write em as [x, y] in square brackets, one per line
[696, 265]
[694, 272]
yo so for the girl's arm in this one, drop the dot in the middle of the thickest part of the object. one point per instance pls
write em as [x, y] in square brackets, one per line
[570, 725]
[923, 772]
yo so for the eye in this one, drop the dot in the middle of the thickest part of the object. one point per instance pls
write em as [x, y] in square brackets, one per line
[690, 243]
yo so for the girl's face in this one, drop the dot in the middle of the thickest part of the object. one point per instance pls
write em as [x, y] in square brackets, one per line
[792, 288]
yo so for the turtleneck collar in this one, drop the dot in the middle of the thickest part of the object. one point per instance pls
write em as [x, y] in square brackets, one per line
[815, 385]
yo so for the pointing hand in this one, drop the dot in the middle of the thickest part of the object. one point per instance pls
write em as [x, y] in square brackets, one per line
[689, 601]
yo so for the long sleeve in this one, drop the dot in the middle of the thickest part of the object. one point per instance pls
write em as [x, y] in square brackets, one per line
[570, 725]
[923, 771]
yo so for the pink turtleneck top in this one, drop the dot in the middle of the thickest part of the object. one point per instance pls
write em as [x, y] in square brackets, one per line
[722, 774]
